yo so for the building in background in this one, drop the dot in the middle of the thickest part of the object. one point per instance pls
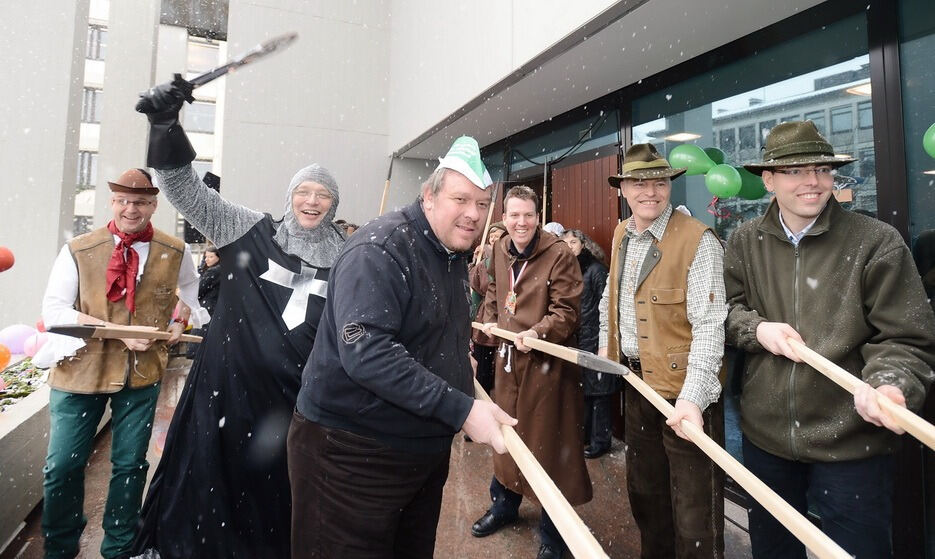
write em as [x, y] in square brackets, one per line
[552, 90]
[204, 51]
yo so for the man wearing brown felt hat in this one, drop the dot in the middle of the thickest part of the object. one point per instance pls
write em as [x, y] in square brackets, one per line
[133, 181]
[662, 314]
[125, 273]
[845, 284]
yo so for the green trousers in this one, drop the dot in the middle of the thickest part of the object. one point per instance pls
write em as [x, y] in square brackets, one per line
[74, 419]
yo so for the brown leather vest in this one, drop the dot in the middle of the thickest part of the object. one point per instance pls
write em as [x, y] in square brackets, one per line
[107, 365]
[664, 334]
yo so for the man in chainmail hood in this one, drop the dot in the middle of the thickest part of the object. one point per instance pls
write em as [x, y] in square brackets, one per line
[222, 487]
[318, 246]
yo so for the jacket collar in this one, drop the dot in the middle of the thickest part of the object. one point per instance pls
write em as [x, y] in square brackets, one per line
[527, 252]
[540, 243]
[770, 222]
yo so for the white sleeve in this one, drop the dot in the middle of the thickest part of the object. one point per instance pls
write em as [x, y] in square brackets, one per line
[188, 289]
[58, 303]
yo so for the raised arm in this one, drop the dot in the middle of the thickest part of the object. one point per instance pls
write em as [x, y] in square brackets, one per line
[220, 220]
[170, 154]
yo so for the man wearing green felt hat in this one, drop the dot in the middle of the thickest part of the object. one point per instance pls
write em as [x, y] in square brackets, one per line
[662, 314]
[844, 284]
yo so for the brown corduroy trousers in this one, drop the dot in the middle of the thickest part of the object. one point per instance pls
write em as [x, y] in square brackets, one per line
[676, 492]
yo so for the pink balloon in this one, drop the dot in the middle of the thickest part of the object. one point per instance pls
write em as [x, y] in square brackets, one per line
[40, 326]
[34, 342]
[14, 337]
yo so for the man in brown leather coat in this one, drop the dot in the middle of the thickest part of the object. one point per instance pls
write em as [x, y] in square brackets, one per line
[535, 291]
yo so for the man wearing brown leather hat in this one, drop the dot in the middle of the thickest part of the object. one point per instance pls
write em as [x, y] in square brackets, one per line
[846, 285]
[662, 314]
[125, 273]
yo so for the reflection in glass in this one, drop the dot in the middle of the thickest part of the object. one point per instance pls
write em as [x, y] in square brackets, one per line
[199, 117]
[201, 56]
[917, 43]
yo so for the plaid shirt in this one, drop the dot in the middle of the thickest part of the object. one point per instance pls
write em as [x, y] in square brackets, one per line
[706, 315]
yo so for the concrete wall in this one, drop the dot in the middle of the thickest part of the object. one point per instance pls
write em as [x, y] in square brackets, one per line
[444, 54]
[40, 110]
[324, 100]
[129, 69]
[408, 176]
[364, 79]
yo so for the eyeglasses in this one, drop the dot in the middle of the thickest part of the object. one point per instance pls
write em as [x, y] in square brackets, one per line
[306, 194]
[800, 173]
[136, 203]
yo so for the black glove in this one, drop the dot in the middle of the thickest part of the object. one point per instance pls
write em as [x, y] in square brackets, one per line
[169, 147]
[166, 97]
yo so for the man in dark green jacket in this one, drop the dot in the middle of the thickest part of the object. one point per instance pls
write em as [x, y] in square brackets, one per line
[846, 285]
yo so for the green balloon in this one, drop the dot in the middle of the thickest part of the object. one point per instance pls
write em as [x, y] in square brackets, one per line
[691, 157]
[928, 140]
[715, 154]
[751, 185]
[723, 181]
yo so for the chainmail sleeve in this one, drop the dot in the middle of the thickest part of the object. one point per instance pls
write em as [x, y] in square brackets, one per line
[219, 220]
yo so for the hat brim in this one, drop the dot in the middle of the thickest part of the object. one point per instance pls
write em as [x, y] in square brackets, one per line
[798, 161]
[642, 174]
[114, 187]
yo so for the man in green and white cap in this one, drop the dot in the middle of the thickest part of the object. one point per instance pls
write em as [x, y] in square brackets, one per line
[389, 383]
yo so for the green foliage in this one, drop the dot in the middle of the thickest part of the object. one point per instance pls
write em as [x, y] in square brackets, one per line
[21, 380]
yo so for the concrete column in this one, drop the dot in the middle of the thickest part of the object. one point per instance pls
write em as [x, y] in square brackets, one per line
[130, 68]
[40, 113]
[171, 58]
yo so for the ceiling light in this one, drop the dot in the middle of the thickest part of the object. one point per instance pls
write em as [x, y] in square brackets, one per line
[682, 137]
[929, 172]
[862, 89]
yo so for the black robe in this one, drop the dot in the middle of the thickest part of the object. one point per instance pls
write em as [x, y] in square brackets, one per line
[221, 488]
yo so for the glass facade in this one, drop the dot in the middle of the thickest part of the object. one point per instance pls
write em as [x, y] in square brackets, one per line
[734, 106]
[917, 80]
[199, 117]
[917, 43]
[824, 65]
[589, 133]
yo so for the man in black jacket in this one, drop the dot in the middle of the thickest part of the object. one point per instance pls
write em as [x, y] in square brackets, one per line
[389, 382]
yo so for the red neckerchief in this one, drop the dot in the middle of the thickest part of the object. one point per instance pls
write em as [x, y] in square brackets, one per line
[121, 273]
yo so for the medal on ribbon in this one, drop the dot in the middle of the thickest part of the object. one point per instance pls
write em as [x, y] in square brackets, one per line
[510, 304]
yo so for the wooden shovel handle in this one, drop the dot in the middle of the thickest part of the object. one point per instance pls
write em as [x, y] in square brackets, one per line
[386, 190]
[110, 332]
[806, 532]
[573, 530]
[559, 351]
[912, 423]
